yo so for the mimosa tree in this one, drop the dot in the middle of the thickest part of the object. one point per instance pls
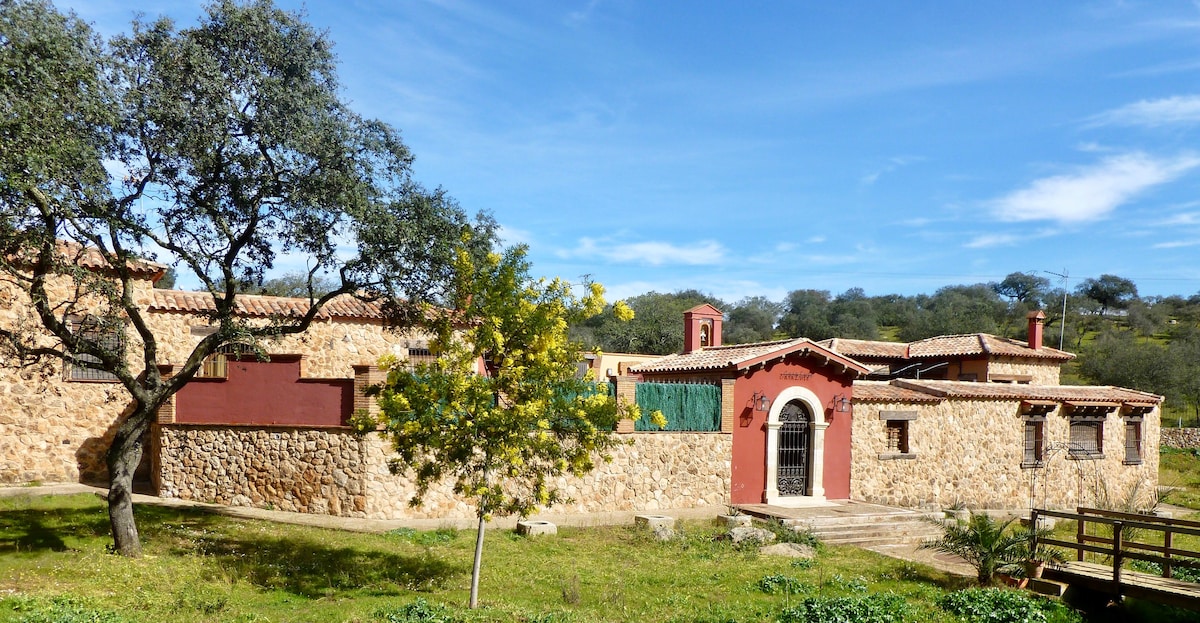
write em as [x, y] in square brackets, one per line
[503, 411]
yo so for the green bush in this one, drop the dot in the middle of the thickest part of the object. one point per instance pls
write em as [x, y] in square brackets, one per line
[419, 611]
[999, 605]
[778, 583]
[873, 608]
[59, 610]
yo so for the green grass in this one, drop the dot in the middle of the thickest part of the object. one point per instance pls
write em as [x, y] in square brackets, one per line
[1180, 469]
[204, 567]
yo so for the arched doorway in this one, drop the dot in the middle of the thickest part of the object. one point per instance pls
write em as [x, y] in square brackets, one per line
[795, 449]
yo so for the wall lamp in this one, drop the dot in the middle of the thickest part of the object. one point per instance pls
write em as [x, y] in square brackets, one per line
[841, 404]
[761, 402]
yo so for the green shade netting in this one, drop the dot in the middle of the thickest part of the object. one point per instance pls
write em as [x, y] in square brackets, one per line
[687, 407]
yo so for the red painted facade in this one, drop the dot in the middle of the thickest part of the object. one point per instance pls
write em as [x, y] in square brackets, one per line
[266, 393]
[749, 469]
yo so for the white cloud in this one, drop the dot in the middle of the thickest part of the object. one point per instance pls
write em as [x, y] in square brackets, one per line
[654, 253]
[512, 236]
[1152, 113]
[992, 240]
[1185, 218]
[1177, 244]
[1091, 192]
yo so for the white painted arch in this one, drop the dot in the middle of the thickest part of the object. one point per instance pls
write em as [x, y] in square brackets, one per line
[816, 487]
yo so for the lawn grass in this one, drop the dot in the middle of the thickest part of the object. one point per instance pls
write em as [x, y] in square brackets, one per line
[205, 567]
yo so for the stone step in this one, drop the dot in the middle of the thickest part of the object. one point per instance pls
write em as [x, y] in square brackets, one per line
[878, 537]
[864, 525]
[881, 530]
[816, 523]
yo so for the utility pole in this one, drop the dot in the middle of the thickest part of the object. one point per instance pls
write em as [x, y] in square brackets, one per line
[1062, 328]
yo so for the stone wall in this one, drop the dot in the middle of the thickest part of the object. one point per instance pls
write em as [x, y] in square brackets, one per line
[56, 430]
[331, 471]
[1180, 437]
[970, 451]
[53, 429]
[1043, 372]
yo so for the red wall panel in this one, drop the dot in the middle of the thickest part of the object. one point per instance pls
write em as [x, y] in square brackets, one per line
[266, 393]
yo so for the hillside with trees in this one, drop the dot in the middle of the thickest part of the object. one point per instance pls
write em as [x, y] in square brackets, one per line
[1148, 343]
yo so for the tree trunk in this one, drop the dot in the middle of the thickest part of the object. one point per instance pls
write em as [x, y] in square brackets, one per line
[123, 457]
[478, 559]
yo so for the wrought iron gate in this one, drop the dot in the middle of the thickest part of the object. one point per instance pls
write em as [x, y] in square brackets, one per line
[794, 441]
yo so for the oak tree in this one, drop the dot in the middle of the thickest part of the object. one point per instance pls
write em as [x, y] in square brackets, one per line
[218, 147]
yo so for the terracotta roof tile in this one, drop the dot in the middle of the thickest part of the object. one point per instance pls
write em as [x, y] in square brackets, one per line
[90, 258]
[734, 356]
[264, 306]
[981, 344]
[1011, 391]
[882, 391]
[865, 348]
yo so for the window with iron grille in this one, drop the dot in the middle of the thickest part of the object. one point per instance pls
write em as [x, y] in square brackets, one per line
[417, 356]
[1087, 439]
[107, 334]
[1035, 447]
[1133, 441]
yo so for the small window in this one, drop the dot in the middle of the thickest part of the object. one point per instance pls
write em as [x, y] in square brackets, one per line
[107, 334]
[419, 355]
[1035, 444]
[216, 364]
[1133, 442]
[1087, 439]
[897, 436]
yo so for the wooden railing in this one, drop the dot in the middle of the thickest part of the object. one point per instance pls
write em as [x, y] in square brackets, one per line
[1121, 545]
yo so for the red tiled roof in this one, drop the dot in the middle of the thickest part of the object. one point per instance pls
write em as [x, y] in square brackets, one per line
[981, 344]
[345, 306]
[91, 259]
[944, 346]
[865, 349]
[882, 391]
[740, 356]
[1013, 391]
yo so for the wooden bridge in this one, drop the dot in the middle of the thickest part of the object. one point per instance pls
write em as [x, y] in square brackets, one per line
[1116, 545]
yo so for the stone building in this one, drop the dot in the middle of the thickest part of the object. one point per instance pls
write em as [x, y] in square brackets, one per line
[800, 422]
[1002, 433]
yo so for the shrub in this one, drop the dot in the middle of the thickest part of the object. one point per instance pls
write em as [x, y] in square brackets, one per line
[986, 544]
[419, 611]
[998, 605]
[61, 610]
[779, 583]
[873, 608]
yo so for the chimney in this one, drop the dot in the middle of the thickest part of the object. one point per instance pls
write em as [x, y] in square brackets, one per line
[1037, 324]
[701, 327]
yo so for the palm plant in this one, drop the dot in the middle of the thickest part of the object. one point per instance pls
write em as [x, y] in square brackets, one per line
[986, 544]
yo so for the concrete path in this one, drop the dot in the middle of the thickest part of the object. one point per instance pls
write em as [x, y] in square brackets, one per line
[941, 562]
[354, 524]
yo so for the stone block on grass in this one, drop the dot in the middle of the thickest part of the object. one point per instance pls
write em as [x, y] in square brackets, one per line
[536, 528]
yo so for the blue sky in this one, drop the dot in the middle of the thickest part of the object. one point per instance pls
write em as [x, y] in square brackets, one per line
[748, 149]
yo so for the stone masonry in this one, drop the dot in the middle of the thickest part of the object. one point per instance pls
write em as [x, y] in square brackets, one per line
[1181, 437]
[969, 452]
[335, 472]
